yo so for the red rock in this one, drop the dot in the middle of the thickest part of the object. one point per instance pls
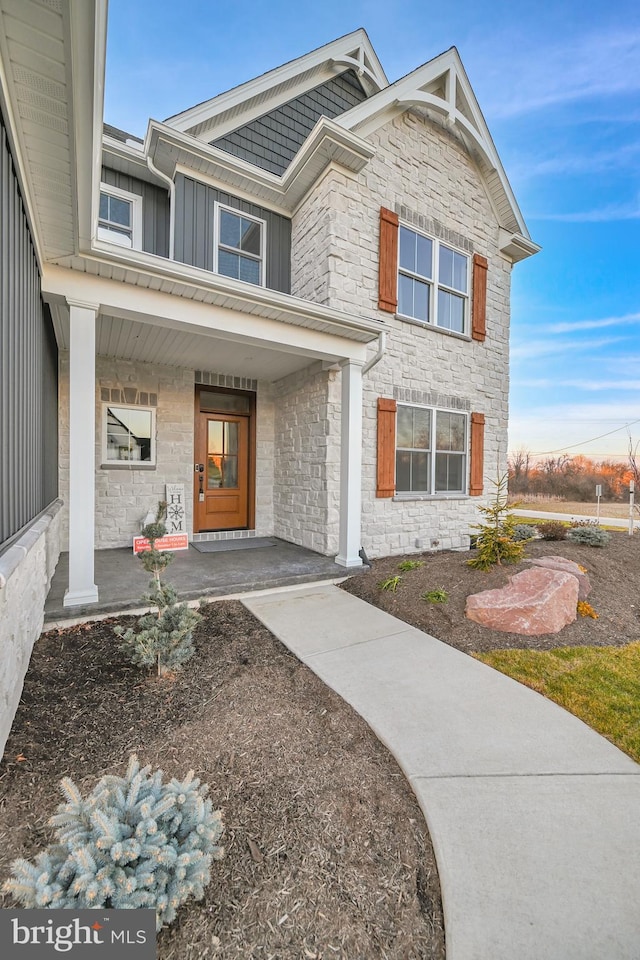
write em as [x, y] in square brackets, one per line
[533, 602]
[567, 566]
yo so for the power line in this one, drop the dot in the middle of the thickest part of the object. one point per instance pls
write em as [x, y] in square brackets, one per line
[572, 446]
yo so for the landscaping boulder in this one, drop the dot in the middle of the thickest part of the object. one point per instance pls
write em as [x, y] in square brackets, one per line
[567, 566]
[535, 601]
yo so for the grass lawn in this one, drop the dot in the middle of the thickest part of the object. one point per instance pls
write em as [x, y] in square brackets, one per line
[577, 507]
[601, 685]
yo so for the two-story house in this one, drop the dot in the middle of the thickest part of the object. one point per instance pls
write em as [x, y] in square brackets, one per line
[292, 298]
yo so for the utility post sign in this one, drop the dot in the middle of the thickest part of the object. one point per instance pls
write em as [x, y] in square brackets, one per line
[176, 523]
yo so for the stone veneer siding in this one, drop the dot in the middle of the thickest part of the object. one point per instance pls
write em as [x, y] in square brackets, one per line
[422, 171]
[307, 461]
[124, 495]
[26, 569]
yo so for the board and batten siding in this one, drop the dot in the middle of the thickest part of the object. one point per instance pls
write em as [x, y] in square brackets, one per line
[28, 368]
[272, 141]
[155, 209]
[194, 228]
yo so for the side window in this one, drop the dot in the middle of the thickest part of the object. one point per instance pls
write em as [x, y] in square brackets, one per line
[433, 281]
[120, 217]
[240, 246]
[430, 450]
[128, 435]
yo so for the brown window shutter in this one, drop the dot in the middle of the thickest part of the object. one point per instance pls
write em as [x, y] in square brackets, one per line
[388, 266]
[386, 477]
[479, 302]
[477, 454]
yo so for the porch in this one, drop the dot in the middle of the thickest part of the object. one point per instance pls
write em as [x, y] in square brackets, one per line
[295, 462]
[236, 566]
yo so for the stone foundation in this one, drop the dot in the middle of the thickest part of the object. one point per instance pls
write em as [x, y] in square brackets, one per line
[26, 569]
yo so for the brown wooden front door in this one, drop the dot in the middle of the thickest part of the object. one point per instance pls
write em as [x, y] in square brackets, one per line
[222, 482]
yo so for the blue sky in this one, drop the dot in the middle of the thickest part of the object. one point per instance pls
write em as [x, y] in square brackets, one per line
[559, 85]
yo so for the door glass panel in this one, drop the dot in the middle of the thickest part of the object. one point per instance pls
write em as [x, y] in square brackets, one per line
[214, 471]
[231, 438]
[214, 444]
[227, 402]
[230, 472]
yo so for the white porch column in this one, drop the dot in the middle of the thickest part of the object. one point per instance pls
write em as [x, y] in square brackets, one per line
[82, 439]
[350, 465]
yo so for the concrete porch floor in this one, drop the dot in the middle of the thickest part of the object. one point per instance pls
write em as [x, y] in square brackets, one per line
[121, 578]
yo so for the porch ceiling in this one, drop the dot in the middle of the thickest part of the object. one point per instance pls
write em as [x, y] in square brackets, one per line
[149, 343]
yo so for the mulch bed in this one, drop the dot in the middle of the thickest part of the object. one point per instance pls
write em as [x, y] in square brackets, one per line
[340, 864]
[613, 571]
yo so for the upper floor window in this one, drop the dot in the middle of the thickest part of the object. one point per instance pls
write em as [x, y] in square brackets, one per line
[240, 246]
[433, 281]
[120, 217]
[430, 450]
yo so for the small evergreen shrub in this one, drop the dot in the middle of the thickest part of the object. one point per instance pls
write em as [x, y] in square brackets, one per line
[495, 542]
[553, 530]
[133, 842]
[591, 536]
[163, 639]
[524, 531]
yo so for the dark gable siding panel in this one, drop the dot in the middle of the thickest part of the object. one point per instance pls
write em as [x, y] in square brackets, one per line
[28, 368]
[155, 209]
[272, 141]
[195, 211]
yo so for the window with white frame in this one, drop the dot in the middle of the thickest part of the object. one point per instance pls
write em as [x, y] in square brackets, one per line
[120, 217]
[240, 245]
[431, 450]
[128, 435]
[433, 281]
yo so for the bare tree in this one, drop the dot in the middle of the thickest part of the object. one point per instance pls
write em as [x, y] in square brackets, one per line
[519, 464]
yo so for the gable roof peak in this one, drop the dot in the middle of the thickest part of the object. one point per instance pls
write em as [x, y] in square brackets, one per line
[215, 117]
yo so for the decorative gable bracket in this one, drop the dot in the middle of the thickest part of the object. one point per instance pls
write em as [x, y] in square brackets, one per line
[360, 61]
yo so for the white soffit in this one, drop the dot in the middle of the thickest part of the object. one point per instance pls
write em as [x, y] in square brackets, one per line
[34, 51]
[216, 117]
[132, 340]
[47, 50]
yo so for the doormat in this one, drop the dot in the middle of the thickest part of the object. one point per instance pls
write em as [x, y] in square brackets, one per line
[220, 546]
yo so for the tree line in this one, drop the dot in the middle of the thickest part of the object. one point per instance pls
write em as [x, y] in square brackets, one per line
[572, 478]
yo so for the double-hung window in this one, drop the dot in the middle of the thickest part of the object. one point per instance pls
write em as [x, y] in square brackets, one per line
[431, 450]
[433, 282]
[240, 245]
[120, 217]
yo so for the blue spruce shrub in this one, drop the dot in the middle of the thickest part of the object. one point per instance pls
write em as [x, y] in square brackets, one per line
[592, 536]
[524, 531]
[133, 842]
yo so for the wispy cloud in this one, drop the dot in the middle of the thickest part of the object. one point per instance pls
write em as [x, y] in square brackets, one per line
[589, 386]
[532, 349]
[575, 326]
[611, 213]
[589, 66]
[573, 164]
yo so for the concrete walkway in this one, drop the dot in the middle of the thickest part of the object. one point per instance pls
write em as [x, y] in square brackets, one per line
[535, 819]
